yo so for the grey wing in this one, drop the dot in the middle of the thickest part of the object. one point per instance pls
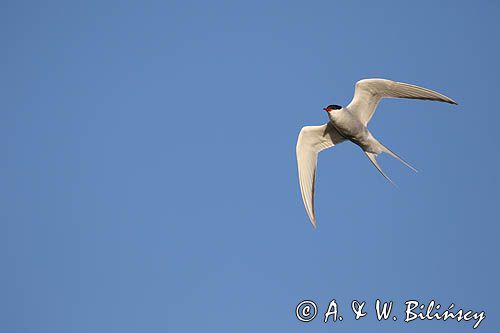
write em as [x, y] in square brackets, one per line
[312, 140]
[369, 92]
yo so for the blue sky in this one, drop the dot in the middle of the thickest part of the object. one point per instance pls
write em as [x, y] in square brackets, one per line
[149, 184]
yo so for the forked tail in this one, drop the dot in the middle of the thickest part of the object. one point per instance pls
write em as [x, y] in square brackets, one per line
[384, 149]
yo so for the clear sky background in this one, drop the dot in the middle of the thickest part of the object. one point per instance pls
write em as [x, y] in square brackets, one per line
[148, 177]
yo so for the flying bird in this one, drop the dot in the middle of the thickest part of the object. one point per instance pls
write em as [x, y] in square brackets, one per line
[350, 123]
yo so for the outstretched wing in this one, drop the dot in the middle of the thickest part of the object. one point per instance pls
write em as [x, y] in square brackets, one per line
[312, 140]
[369, 92]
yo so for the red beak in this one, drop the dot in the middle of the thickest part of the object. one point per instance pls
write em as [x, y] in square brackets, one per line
[326, 109]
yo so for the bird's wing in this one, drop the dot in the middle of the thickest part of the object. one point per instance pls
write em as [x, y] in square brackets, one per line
[312, 140]
[369, 92]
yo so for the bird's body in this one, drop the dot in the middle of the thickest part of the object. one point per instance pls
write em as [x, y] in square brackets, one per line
[352, 129]
[350, 123]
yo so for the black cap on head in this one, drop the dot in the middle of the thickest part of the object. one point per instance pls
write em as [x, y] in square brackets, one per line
[334, 107]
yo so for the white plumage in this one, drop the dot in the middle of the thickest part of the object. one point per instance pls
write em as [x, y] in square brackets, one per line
[350, 123]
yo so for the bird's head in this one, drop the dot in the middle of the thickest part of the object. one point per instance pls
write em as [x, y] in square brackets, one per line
[332, 107]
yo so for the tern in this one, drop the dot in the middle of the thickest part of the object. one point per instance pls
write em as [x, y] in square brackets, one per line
[350, 123]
